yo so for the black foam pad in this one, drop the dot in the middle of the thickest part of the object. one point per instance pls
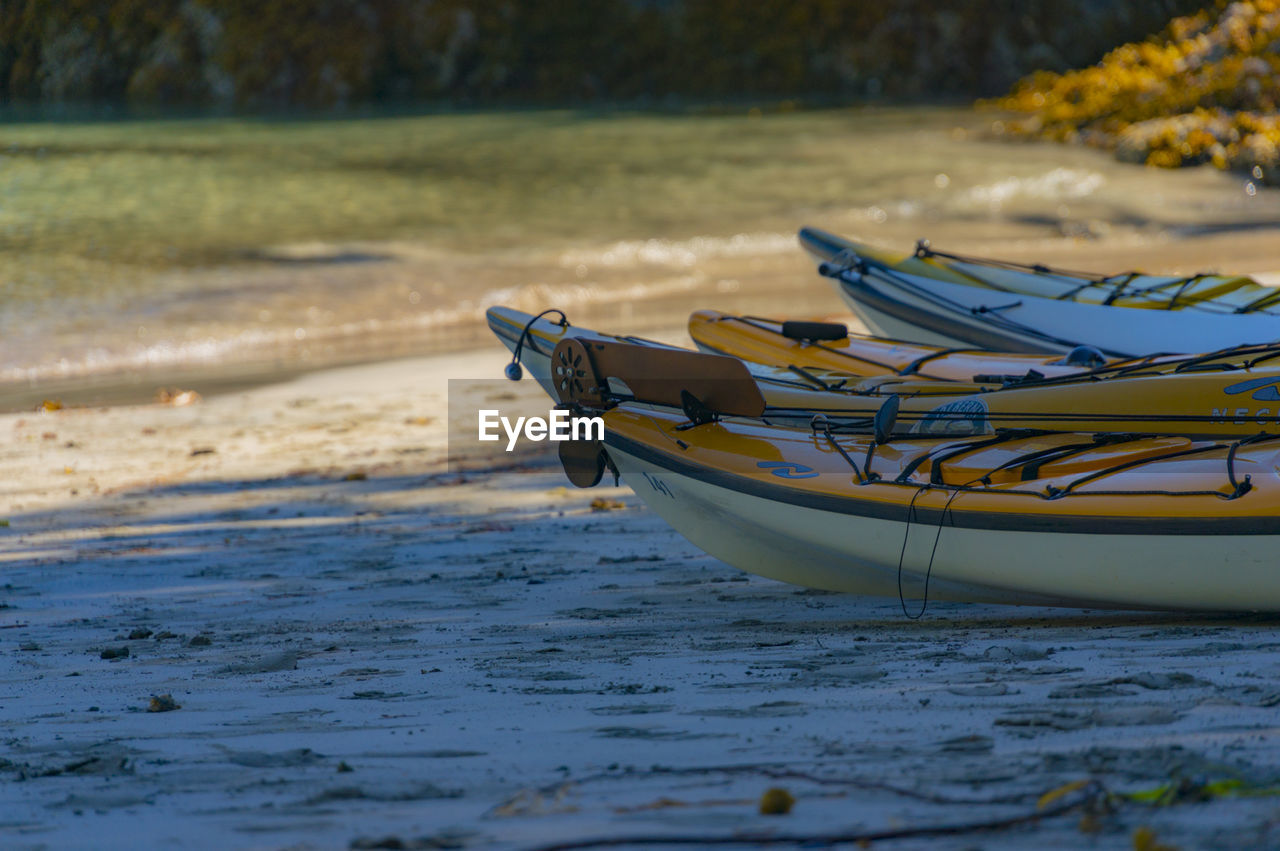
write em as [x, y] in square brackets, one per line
[814, 330]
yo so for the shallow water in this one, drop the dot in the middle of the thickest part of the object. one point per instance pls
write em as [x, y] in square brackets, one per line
[150, 249]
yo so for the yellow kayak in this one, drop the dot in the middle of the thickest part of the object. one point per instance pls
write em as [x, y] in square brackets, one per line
[1057, 519]
[1230, 393]
[1021, 517]
[778, 342]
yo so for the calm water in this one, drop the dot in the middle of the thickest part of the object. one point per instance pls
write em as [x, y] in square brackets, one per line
[144, 248]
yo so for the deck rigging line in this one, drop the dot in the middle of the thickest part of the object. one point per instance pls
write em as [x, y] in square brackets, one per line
[1119, 283]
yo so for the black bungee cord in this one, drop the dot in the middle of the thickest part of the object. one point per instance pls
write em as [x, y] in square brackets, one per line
[928, 574]
[513, 370]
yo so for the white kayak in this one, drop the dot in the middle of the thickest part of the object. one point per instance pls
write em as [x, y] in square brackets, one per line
[942, 300]
[792, 398]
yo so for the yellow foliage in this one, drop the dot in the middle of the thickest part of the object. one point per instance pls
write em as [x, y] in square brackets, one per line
[1205, 90]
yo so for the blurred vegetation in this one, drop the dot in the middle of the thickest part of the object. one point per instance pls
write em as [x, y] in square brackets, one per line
[286, 53]
[1205, 90]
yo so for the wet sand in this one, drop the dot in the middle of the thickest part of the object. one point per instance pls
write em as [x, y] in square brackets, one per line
[366, 647]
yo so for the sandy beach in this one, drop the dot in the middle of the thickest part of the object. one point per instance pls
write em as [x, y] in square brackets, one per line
[263, 587]
[367, 649]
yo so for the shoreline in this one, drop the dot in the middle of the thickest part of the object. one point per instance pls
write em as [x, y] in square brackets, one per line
[769, 284]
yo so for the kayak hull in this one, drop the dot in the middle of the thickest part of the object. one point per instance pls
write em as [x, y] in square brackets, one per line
[870, 553]
[848, 554]
[906, 316]
[795, 545]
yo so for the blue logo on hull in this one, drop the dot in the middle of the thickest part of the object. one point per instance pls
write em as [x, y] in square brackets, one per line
[787, 471]
[1265, 389]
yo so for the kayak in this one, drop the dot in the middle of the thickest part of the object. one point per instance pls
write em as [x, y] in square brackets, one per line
[1227, 394]
[1039, 519]
[1233, 392]
[774, 341]
[944, 299]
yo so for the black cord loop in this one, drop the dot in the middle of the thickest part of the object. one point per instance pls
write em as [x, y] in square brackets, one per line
[513, 370]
